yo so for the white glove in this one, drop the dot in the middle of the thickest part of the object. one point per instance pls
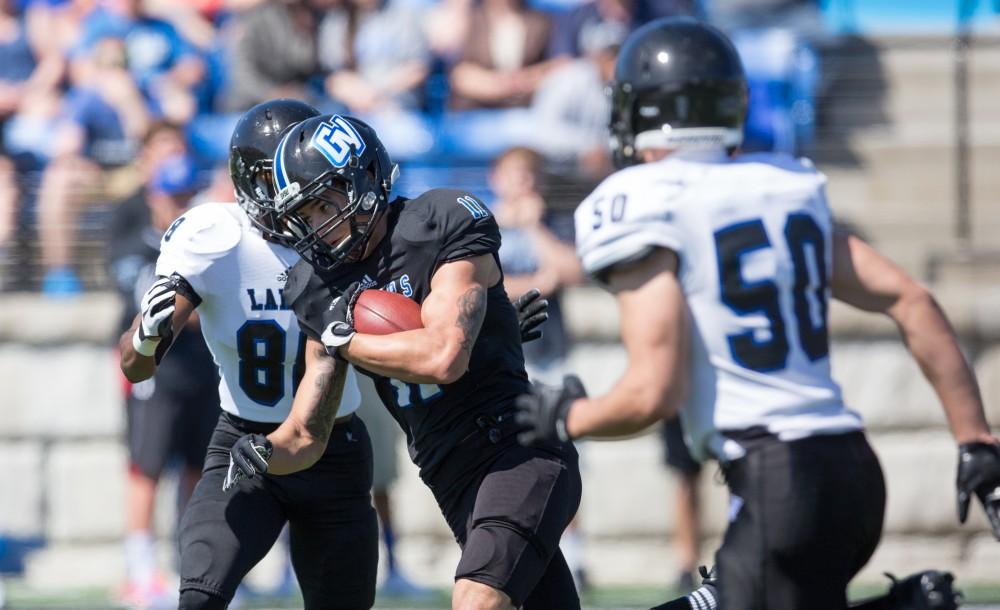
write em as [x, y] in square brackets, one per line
[157, 309]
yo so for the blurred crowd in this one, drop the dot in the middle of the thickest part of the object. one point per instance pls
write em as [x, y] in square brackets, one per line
[89, 87]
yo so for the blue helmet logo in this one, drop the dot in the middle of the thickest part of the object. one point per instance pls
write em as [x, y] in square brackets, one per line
[334, 139]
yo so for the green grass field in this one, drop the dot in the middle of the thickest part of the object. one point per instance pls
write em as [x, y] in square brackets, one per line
[977, 595]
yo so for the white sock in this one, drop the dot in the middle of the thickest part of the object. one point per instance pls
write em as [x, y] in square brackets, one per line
[703, 598]
[140, 557]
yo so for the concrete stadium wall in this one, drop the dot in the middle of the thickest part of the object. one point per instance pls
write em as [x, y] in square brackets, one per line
[65, 464]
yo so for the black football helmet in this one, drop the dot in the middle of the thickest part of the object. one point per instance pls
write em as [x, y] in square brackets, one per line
[321, 156]
[251, 149]
[678, 83]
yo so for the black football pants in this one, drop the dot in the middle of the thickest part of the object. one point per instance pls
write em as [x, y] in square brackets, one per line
[809, 517]
[333, 528]
[508, 515]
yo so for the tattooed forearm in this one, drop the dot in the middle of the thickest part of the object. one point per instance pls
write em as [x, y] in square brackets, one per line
[330, 388]
[472, 310]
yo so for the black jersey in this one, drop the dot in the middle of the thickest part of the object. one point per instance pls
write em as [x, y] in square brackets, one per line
[440, 226]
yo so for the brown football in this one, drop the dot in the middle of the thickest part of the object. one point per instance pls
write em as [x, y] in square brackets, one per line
[380, 312]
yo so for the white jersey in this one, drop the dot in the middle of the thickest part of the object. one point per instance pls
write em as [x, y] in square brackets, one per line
[754, 240]
[252, 332]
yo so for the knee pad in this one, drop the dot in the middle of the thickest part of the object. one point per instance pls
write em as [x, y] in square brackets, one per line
[193, 599]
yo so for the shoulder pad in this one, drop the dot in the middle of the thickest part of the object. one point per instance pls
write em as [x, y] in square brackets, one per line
[630, 213]
[210, 229]
[801, 165]
[447, 216]
[192, 244]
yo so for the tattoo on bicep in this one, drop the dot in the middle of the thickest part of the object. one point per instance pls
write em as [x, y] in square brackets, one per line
[330, 389]
[471, 311]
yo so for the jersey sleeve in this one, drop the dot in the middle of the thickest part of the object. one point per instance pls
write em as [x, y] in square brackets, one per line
[624, 219]
[194, 242]
[464, 226]
[308, 297]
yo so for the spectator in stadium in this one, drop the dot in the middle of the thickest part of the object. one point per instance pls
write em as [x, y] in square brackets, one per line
[273, 52]
[164, 65]
[531, 254]
[9, 195]
[572, 29]
[447, 26]
[56, 27]
[571, 107]
[194, 20]
[175, 411]
[19, 67]
[377, 59]
[28, 62]
[503, 60]
[93, 143]
[376, 56]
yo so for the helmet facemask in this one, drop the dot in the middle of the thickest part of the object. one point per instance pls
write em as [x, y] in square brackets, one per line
[355, 200]
[250, 166]
[256, 196]
[696, 116]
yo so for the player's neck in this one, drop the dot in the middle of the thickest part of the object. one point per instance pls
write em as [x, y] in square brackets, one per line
[378, 234]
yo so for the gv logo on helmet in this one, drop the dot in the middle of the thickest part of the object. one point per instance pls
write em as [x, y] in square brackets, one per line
[334, 139]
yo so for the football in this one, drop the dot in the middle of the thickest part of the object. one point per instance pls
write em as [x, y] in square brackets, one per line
[379, 312]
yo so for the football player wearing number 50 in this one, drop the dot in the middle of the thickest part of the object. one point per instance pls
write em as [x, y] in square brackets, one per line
[450, 385]
[723, 266]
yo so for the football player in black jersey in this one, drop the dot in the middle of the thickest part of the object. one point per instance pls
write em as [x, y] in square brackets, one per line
[450, 385]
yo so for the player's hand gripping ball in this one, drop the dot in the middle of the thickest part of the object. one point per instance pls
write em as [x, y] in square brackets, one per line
[370, 312]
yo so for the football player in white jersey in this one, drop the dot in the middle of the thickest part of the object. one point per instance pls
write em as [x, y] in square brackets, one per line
[723, 266]
[228, 262]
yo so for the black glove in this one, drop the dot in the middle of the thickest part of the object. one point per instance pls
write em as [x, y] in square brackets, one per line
[247, 457]
[532, 310]
[340, 320]
[979, 474]
[541, 415]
